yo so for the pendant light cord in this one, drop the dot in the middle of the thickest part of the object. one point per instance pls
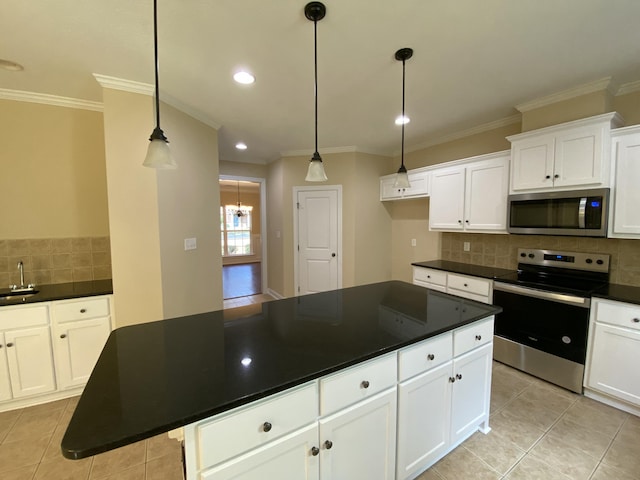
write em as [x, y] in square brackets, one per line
[155, 51]
[315, 85]
[403, 119]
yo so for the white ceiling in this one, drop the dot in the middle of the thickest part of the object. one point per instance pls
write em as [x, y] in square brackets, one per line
[474, 60]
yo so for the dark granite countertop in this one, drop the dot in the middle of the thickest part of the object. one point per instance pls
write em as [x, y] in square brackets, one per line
[154, 377]
[59, 291]
[465, 268]
[620, 293]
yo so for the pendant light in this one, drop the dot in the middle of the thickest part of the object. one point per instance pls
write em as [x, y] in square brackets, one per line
[402, 179]
[240, 212]
[158, 153]
[315, 11]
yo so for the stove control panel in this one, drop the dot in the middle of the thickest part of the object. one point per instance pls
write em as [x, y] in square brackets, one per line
[593, 262]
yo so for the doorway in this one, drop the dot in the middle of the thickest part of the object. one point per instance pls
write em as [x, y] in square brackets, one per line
[242, 223]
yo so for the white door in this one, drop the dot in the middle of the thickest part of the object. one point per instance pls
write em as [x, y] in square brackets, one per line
[446, 205]
[359, 442]
[318, 221]
[30, 361]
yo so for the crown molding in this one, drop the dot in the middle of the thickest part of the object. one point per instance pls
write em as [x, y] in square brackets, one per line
[46, 99]
[627, 88]
[485, 127]
[115, 83]
[595, 86]
[332, 150]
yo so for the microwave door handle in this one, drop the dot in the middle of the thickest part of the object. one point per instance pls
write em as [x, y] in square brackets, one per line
[582, 210]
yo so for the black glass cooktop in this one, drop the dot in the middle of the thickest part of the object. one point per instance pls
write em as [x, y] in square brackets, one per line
[556, 280]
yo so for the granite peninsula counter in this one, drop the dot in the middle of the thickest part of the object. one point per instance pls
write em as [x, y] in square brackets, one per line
[155, 377]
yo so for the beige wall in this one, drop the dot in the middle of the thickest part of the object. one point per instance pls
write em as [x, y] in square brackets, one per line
[239, 169]
[53, 172]
[366, 226]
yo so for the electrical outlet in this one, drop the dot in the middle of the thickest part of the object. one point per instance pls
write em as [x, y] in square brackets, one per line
[413, 242]
[190, 244]
[467, 246]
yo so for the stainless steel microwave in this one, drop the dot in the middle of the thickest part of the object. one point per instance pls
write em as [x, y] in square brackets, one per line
[576, 213]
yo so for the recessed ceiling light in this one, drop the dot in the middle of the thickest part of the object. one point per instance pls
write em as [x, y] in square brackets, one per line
[241, 146]
[12, 66]
[400, 120]
[244, 77]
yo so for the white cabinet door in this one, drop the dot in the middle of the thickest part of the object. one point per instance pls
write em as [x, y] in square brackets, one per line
[446, 205]
[613, 363]
[5, 381]
[578, 157]
[387, 190]
[626, 197]
[424, 415]
[487, 188]
[291, 457]
[30, 361]
[532, 163]
[359, 442]
[419, 182]
[471, 392]
[77, 346]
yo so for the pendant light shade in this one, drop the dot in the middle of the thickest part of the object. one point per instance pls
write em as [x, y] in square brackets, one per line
[158, 153]
[315, 11]
[402, 179]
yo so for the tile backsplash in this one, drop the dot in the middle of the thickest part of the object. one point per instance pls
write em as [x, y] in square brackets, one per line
[55, 260]
[501, 251]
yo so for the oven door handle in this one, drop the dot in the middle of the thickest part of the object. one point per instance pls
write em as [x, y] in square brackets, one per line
[554, 297]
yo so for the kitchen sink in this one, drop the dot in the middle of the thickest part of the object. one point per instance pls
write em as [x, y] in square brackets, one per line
[8, 294]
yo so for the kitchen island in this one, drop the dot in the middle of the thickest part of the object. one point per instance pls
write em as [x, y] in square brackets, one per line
[155, 377]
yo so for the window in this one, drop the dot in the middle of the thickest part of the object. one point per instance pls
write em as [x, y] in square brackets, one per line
[235, 231]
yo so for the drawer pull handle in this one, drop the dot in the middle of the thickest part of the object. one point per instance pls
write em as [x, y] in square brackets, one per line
[431, 356]
[365, 384]
[266, 427]
[328, 444]
[459, 376]
[315, 451]
[466, 285]
[452, 380]
[428, 276]
[478, 337]
[83, 310]
[9, 344]
[64, 335]
[636, 320]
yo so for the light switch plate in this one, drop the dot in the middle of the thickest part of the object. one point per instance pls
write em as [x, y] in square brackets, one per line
[413, 242]
[190, 244]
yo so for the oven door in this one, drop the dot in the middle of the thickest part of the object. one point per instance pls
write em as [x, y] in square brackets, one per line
[553, 323]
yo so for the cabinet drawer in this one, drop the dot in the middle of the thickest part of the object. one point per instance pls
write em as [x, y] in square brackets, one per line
[469, 284]
[23, 316]
[429, 275]
[355, 383]
[424, 356]
[619, 314]
[248, 427]
[81, 309]
[472, 336]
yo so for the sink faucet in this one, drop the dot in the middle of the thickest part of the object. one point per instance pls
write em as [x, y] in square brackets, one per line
[21, 268]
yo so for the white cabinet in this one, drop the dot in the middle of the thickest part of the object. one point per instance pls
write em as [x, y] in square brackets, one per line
[471, 196]
[418, 179]
[569, 156]
[359, 442]
[624, 219]
[26, 359]
[473, 288]
[613, 352]
[454, 391]
[80, 330]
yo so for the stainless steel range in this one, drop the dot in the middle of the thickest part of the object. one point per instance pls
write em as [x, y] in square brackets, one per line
[543, 327]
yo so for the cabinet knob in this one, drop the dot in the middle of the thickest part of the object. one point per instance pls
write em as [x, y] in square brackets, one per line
[460, 221]
[478, 337]
[431, 356]
[466, 221]
[428, 276]
[458, 376]
[83, 310]
[466, 284]
[266, 427]
[10, 344]
[328, 444]
[63, 335]
[547, 177]
[636, 320]
[365, 384]
[556, 176]
[452, 380]
[315, 451]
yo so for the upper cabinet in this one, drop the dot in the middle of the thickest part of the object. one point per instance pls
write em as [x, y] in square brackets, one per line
[569, 156]
[419, 180]
[624, 218]
[471, 195]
